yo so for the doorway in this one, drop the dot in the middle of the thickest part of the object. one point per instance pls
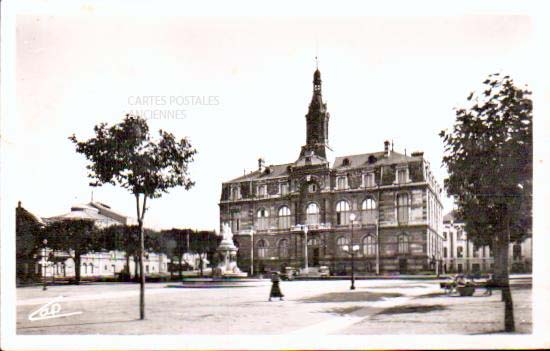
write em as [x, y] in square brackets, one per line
[315, 256]
[402, 266]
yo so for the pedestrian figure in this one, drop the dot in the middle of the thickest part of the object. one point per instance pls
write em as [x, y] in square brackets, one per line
[489, 285]
[275, 289]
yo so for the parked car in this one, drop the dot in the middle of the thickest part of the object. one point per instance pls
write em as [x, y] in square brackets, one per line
[289, 273]
[324, 272]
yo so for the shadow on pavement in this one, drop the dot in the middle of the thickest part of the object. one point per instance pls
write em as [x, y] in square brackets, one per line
[413, 309]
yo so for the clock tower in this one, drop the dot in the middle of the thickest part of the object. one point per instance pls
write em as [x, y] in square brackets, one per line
[316, 123]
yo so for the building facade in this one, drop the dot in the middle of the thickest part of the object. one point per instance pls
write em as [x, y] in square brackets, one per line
[461, 256]
[385, 205]
[93, 264]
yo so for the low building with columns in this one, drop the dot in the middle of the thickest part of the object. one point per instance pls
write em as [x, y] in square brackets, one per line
[461, 256]
[393, 197]
[93, 264]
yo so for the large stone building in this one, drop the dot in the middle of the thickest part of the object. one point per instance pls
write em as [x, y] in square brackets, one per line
[394, 198]
[461, 256]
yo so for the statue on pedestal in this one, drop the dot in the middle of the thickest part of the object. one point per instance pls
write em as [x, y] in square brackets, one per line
[227, 254]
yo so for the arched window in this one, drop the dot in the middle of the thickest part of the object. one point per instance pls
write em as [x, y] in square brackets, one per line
[369, 245]
[283, 248]
[312, 214]
[403, 243]
[85, 266]
[312, 188]
[342, 213]
[91, 268]
[340, 243]
[284, 217]
[262, 248]
[262, 219]
[368, 211]
[403, 207]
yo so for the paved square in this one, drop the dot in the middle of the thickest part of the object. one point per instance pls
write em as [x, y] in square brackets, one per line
[310, 307]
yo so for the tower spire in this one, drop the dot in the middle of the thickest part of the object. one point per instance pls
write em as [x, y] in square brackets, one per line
[316, 121]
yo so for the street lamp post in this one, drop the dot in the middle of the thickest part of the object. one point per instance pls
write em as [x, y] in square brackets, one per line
[45, 242]
[251, 252]
[351, 251]
[352, 287]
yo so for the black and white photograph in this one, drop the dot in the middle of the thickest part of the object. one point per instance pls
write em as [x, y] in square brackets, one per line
[260, 175]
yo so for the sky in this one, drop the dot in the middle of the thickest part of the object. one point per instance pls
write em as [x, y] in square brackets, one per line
[385, 77]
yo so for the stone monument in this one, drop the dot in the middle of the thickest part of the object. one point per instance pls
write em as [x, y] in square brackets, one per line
[227, 256]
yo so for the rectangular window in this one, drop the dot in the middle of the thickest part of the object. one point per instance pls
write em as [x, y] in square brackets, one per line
[403, 208]
[235, 193]
[445, 235]
[235, 225]
[445, 252]
[459, 252]
[516, 252]
[262, 190]
[476, 252]
[402, 176]
[341, 183]
[284, 188]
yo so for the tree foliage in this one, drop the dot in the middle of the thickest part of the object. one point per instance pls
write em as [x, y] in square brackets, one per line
[489, 157]
[28, 235]
[75, 237]
[125, 155]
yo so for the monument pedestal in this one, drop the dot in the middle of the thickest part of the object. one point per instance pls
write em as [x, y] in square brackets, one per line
[227, 255]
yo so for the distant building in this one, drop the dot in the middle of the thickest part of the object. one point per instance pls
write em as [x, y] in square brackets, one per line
[96, 264]
[393, 196]
[461, 256]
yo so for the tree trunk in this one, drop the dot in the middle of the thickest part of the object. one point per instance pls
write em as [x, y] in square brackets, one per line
[502, 277]
[77, 268]
[136, 267]
[127, 268]
[179, 267]
[200, 263]
[142, 273]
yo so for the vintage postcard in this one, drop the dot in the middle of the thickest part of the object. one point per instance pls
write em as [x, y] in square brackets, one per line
[245, 175]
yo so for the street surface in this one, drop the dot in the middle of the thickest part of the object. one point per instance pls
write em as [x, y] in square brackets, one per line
[310, 307]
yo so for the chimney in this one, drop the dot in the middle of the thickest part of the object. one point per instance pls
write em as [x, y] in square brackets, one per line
[387, 148]
[19, 204]
[261, 164]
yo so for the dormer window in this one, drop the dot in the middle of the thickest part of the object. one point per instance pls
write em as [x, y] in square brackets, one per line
[346, 162]
[372, 159]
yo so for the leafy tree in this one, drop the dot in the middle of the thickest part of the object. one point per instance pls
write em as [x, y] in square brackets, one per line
[125, 155]
[204, 243]
[76, 237]
[489, 158]
[175, 244]
[126, 238]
